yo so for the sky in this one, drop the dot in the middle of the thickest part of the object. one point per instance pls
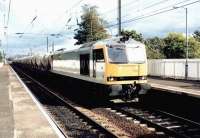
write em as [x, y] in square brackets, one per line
[39, 19]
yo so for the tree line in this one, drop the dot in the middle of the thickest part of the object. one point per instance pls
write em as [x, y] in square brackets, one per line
[1, 57]
[171, 46]
[92, 28]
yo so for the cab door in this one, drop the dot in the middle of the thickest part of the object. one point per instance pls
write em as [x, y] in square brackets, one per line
[98, 63]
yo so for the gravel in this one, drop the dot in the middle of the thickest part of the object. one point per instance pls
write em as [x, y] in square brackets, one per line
[135, 130]
[72, 125]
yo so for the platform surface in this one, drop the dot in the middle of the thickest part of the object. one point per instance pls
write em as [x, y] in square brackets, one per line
[185, 87]
[19, 115]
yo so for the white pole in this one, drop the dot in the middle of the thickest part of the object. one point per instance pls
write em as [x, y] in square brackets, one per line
[186, 64]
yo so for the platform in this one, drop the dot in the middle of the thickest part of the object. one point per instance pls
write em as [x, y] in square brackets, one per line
[20, 117]
[183, 87]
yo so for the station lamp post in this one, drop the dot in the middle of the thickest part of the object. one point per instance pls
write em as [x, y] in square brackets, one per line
[186, 64]
[186, 40]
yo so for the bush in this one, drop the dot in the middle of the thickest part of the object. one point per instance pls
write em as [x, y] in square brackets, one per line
[1, 57]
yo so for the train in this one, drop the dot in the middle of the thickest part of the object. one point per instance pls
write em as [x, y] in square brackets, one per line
[112, 67]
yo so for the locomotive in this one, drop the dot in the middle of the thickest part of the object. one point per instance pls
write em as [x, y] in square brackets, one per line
[111, 67]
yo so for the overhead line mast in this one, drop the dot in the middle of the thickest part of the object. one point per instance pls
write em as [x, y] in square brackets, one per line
[119, 18]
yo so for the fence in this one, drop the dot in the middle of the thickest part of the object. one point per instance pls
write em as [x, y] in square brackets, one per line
[174, 68]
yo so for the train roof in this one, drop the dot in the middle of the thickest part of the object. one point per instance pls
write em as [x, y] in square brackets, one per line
[118, 41]
[107, 42]
[111, 41]
[89, 46]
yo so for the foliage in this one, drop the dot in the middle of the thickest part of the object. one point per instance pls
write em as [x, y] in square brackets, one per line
[155, 47]
[174, 46]
[152, 52]
[132, 34]
[171, 46]
[196, 35]
[91, 27]
[1, 57]
[193, 48]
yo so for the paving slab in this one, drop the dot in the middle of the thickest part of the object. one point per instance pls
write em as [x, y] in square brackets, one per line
[19, 115]
[6, 106]
[183, 87]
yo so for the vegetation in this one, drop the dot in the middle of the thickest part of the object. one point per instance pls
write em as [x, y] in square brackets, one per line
[174, 46]
[194, 48]
[171, 46]
[196, 35]
[91, 27]
[132, 34]
[155, 48]
[1, 57]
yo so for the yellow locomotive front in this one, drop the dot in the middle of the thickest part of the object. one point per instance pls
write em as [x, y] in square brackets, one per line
[126, 69]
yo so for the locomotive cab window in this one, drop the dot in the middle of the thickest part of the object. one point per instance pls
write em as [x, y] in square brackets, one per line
[98, 55]
[117, 54]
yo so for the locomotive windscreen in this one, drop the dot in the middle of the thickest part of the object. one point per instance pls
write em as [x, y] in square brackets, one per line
[136, 55]
[117, 54]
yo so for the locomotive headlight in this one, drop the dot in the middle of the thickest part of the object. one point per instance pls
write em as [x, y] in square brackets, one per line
[142, 78]
[110, 79]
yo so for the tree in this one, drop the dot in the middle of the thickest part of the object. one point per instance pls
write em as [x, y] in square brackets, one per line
[194, 48]
[1, 57]
[91, 27]
[171, 46]
[132, 34]
[174, 45]
[196, 35]
[155, 48]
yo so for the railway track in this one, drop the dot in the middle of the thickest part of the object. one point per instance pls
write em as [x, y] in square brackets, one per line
[60, 109]
[165, 124]
[168, 124]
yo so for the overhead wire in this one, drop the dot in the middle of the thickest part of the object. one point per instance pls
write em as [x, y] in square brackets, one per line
[154, 13]
[27, 27]
[33, 20]
[67, 11]
[44, 30]
[147, 7]
[115, 9]
[169, 6]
